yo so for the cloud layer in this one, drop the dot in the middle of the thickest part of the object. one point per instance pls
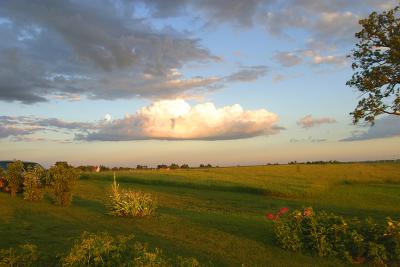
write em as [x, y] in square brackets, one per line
[72, 48]
[177, 120]
[388, 126]
[99, 50]
[308, 121]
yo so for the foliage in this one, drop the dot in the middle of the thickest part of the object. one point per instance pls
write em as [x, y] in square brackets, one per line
[130, 203]
[3, 180]
[25, 256]
[331, 235]
[15, 176]
[63, 179]
[33, 183]
[174, 166]
[376, 61]
[105, 250]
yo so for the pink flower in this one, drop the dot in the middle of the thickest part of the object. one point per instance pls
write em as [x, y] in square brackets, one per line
[270, 216]
[283, 210]
[307, 212]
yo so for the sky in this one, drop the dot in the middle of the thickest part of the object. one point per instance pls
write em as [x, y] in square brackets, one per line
[226, 82]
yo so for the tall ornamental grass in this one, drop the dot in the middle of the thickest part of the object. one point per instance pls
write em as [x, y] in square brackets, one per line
[130, 203]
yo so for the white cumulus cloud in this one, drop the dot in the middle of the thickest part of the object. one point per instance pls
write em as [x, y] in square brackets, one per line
[177, 120]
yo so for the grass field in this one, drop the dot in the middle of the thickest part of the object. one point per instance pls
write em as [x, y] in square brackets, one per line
[215, 215]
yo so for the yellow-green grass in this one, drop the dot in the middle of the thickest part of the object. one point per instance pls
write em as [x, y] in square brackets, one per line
[215, 215]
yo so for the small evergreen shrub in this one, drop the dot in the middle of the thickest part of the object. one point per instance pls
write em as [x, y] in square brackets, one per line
[106, 250]
[24, 256]
[63, 180]
[33, 183]
[14, 176]
[130, 203]
[332, 235]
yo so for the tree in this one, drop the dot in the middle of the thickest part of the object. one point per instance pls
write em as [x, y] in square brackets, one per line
[185, 166]
[33, 183]
[63, 180]
[174, 166]
[15, 172]
[376, 62]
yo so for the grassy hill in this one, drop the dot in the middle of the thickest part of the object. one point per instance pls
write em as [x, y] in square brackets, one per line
[215, 215]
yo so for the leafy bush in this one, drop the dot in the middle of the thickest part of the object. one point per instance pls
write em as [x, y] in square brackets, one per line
[25, 256]
[3, 180]
[106, 250]
[15, 177]
[130, 203]
[63, 179]
[331, 235]
[33, 183]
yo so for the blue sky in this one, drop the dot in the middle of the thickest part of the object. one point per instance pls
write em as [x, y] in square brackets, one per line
[148, 82]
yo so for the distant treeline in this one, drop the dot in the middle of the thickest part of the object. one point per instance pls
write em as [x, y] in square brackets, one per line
[173, 166]
[342, 162]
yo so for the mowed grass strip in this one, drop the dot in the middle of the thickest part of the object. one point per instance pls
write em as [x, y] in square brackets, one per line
[215, 215]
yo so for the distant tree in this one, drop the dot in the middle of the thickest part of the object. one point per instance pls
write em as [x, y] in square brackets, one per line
[162, 166]
[104, 168]
[15, 172]
[376, 62]
[62, 163]
[174, 166]
[185, 166]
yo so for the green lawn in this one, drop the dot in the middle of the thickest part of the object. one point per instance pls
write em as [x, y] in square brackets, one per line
[215, 215]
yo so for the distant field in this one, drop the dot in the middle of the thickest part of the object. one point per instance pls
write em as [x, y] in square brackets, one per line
[215, 215]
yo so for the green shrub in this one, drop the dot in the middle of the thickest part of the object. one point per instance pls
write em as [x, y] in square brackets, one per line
[130, 203]
[33, 183]
[106, 250]
[15, 176]
[25, 256]
[63, 179]
[331, 235]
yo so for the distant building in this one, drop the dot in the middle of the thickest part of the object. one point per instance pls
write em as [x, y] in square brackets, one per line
[96, 169]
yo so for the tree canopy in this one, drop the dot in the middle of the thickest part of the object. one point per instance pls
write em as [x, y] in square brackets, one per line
[376, 62]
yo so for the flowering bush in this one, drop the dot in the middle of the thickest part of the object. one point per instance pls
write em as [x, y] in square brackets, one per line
[25, 256]
[96, 250]
[331, 235]
[130, 203]
[106, 250]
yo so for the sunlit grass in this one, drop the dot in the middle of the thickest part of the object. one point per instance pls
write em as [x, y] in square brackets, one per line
[215, 215]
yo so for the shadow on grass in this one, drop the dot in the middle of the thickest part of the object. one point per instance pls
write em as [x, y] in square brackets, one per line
[198, 186]
[95, 206]
[251, 227]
